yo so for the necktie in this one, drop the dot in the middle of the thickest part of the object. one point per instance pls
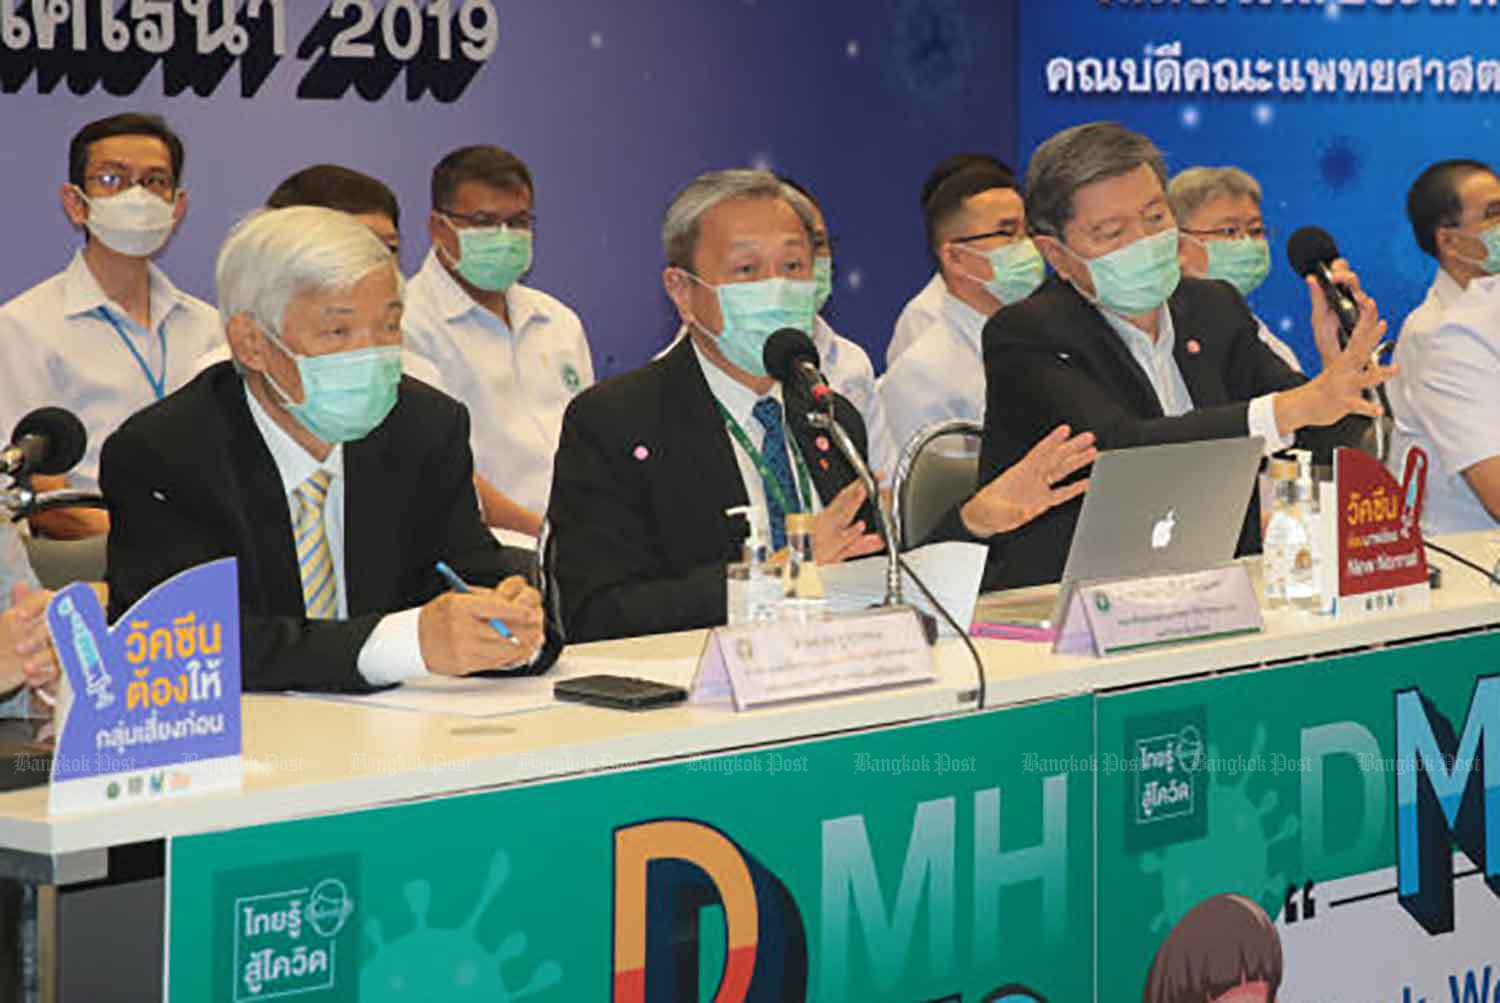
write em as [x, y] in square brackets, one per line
[767, 411]
[320, 589]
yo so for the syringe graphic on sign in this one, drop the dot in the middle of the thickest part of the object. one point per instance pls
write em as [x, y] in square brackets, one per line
[86, 650]
[1413, 490]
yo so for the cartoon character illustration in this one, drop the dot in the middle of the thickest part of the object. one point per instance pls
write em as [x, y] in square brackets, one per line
[1013, 993]
[1225, 950]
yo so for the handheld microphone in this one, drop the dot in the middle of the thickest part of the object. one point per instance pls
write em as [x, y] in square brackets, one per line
[791, 357]
[49, 440]
[1310, 251]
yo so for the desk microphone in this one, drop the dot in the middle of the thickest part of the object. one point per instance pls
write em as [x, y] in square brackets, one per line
[791, 357]
[49, 440]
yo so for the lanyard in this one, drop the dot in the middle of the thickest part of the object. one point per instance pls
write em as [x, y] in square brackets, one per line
[771, 481]
[158, 383]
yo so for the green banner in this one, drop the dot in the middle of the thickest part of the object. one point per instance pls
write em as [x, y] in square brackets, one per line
[1301, 826]
[942, 861]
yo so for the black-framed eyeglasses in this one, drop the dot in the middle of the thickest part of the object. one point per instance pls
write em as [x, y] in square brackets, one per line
[524, 220]
[158, 183]
[1255, 231]
[1002, 232]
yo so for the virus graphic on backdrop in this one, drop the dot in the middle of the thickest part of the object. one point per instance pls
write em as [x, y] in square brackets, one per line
[1340, 163]
[476, 973]
[932, 41]
[1235, 856]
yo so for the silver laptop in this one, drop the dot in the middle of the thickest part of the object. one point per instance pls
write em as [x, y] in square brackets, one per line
[1148, 511]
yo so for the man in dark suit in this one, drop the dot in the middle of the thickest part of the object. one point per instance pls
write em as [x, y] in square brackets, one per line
[336, 483]
[649, 461]
[1119, 344]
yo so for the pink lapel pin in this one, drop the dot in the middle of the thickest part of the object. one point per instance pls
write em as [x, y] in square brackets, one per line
[1193, 348]
[641, 453]
[822, 443]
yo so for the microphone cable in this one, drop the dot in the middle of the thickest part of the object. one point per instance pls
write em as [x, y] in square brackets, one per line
[962, 633]
[1493, 580]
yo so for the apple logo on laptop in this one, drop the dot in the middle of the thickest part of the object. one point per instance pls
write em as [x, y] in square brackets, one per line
[1161, 533]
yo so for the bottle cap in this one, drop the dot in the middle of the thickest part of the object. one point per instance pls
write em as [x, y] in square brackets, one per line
[799, 522]
[1283, 470]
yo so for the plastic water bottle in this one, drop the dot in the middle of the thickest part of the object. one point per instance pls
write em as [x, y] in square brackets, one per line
[1288, 559]
[754, 587]
[803, 599]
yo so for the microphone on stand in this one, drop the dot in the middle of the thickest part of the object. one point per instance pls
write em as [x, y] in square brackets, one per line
[49, 440]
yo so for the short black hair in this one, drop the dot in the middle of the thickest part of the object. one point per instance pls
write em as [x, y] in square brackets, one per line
[949, 166]
[126, 124]
[1433, 203]
[488, 165]
[332, 186]
[949, 197]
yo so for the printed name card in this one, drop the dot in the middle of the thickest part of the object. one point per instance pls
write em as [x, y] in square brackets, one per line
[1382, 563]
[1109, 617]
[149, 708]
[761, 664]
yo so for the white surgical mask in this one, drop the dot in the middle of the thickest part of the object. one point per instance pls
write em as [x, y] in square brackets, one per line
[134, 222]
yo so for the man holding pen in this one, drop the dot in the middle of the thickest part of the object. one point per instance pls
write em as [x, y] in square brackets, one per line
[339, 485]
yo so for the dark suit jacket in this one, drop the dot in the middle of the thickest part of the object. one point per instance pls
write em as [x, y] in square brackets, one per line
[642, 477]
[190, 480]
[1052, 359]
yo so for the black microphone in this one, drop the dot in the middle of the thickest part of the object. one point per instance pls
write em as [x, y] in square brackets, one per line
[791, 357]
[49, 440]
[1311, 250]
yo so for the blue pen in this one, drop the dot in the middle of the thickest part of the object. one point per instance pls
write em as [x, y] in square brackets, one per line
[457, 584]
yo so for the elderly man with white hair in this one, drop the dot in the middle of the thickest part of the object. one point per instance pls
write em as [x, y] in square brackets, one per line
[336, 483]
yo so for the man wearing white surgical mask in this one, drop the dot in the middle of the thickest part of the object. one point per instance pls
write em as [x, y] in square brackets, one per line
[976, 229]
[1123, 346]
[515, 355]
[1224, 236]
[110, 334]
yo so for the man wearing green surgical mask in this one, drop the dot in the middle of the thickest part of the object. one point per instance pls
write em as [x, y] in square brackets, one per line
[1122, 345]
[976, 230]
[1447, 398]
[513, 354]
[1224, 235]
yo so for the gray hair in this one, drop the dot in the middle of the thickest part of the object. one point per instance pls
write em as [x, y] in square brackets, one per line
[1191, 188]
[1076, 158]
[274, 255]
[679, 227]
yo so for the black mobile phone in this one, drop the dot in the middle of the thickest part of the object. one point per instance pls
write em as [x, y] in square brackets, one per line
[619, 692]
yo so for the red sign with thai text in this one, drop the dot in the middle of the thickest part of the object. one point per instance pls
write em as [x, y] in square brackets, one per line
[1379, 523]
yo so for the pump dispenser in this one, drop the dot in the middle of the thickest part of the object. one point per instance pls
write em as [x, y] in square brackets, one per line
[754, 587]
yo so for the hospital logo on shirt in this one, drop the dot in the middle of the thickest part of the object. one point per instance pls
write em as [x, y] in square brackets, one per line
[571, 379]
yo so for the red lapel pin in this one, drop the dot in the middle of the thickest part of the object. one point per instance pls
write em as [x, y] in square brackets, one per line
[1193, 348]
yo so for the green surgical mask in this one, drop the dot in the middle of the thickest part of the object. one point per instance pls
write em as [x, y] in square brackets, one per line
[753, 311]
[1242, 263]
[345, 395]
[492, 258]
[1018, 269]
[1490, 237]
[1137, 278]
[822, 282]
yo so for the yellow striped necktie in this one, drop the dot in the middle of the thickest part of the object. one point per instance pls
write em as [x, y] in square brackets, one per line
[320, 587]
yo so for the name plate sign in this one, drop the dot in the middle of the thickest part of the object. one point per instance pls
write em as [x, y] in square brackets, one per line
[150, 707]
[1382, 563]
[1109, 617]
[759, 664]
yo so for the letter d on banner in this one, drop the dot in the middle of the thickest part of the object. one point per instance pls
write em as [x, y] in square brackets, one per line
[666, 873]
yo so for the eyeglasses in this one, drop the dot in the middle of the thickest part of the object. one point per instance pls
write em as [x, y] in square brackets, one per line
[158, 183]
[1004, 231]
[524, 220]
[1255, 231]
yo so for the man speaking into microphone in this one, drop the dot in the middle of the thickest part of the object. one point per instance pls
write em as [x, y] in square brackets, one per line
[649, 461]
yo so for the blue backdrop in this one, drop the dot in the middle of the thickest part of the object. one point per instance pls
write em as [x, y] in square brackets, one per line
[1384, 90]
[614, 105]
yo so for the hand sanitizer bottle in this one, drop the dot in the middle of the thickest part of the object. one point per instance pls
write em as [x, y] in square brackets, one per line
[754, 586]
[804, 599]
[1288, 557]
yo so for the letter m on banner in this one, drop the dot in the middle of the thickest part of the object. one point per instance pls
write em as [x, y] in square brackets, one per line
[1447, 792]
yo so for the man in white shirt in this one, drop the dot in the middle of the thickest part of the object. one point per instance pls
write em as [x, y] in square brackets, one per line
[515, 355]
[926, 306]
[110, 333]
[976, 227]
[1224, 236]
[1446, 397]
[336, 483]
[27, 660]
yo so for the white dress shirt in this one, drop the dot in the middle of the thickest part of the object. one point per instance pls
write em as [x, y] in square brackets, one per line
[14, 568]
[739, 400]
[393, 651]
[1282, 349]
[850, 373]
[1447, 397]
[940, 376]
[516, 380]
[1160, 366]
[916, 318]
[64, 343]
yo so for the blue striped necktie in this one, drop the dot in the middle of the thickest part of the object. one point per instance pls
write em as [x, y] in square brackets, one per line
[767, 411]
[320, 587]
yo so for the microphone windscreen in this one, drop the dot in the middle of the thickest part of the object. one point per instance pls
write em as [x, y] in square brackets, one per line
[65, 435]
[784, 349]
[1310, 247]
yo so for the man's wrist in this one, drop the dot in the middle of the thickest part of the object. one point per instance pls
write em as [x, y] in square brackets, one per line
[1288, 405]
